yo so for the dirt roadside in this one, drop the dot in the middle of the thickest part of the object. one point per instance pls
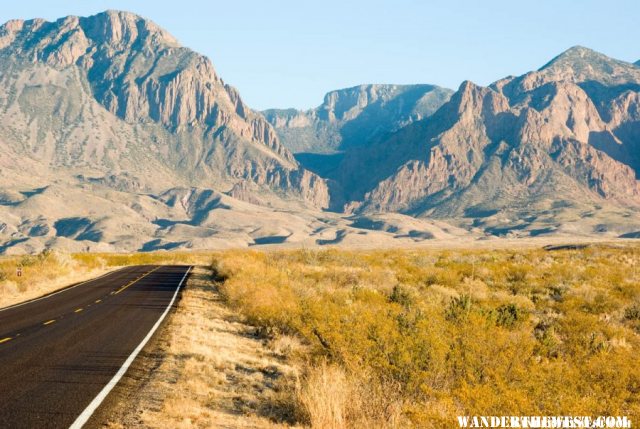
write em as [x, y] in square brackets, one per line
[204, 369]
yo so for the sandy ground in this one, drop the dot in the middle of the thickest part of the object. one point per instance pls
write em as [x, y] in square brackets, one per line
[206, 369]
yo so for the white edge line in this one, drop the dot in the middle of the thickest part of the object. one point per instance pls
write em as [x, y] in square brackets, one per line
[62, 290]
[91, 408]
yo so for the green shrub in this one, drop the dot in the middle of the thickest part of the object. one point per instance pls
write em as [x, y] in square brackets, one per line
[509, 315]
[459, 308]
[633, 312]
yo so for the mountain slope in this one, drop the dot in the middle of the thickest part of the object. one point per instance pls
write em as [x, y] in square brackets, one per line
[114, 137]
[566, 134]
[350, 120]
[114, 92]
[355, 116]
[101, 117]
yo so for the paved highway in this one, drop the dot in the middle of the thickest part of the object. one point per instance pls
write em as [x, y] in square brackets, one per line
[61, 355]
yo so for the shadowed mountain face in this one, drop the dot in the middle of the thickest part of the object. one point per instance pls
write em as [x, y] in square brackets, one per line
[352, 120]
[355, 116]
[114, 93]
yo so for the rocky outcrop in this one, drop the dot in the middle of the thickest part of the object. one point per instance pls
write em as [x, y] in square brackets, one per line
[579, 64]
[355, 116]
[568, 131]
[168, 95]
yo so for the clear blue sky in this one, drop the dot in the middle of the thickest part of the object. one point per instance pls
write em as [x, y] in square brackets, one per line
[288, 53]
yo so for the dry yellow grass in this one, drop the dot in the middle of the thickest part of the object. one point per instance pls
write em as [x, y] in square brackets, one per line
[330, 398]
[41, 275]
[417, 337]
[326, 396]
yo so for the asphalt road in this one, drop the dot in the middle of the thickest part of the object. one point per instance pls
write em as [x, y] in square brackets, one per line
[58, 353]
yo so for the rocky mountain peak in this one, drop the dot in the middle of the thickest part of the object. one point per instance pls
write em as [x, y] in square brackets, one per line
[579, 64]
[471, 100]
[152, 90]
[468, 91]
[346, 104]
[120, 28]
[575, 54]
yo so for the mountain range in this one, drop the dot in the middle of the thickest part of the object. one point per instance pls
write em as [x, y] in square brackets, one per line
[115, 137]
[519, 156]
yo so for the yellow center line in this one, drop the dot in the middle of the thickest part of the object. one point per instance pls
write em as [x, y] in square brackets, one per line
[133, 282]
[98, 301]
[78, 310]
[4, 340]
[49, 322]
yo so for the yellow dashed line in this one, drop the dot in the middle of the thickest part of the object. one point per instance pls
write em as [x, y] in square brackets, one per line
[98, 301]
[78, 310]
[4, 340]
[49, 322]
[136, 280]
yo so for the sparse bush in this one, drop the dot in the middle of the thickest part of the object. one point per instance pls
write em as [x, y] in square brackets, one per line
[455, 332]
[459, 308]
[509, 315]
[548, 341]
[633, 312]
[403, 295]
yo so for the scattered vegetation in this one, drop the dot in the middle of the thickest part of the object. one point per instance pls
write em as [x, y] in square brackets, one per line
[414, 338]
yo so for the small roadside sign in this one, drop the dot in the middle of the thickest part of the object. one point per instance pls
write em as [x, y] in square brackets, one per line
[19, 271]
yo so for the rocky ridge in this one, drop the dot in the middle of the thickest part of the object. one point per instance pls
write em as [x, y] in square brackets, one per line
[115, 137]
[355, 116]
[568, 131]
[195, 127]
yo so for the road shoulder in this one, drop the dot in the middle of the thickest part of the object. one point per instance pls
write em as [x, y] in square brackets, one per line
[205, 368]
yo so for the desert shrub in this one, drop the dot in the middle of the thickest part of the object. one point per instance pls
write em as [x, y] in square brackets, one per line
[508, 315]
[403, 295]
[632, 312]
[459, 308]
[450, 332]
[548, 342]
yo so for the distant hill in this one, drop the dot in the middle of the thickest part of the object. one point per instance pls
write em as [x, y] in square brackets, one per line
[355, 116]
